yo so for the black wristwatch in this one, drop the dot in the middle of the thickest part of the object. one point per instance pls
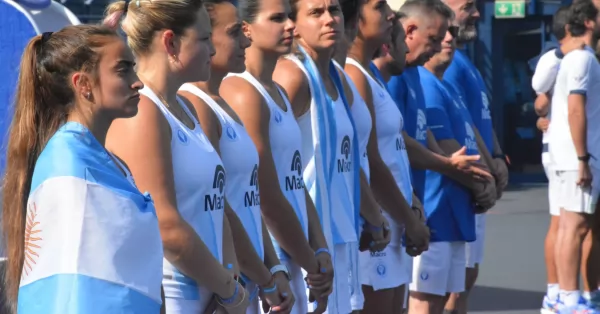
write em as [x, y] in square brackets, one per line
[584, 158]
[501, 156]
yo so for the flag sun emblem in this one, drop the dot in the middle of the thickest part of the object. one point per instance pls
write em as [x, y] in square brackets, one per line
[32, 239]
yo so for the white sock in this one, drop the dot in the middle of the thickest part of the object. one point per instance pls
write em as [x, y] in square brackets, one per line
[586, 295]
[553, 291]
[570, 298]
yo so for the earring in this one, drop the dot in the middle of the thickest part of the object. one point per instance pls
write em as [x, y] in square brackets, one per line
[87, 95]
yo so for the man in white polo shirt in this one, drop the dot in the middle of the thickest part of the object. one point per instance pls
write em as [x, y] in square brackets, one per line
[542, 82]
[575, 139]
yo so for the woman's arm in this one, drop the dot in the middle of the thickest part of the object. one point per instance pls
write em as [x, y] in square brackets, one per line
[295, 83]
[230, 260]
[271, 258]
[369, 209]
[242, 256]
[383, 184]
[278, 214]
[417, 206]
[316, 237]
[144, 144]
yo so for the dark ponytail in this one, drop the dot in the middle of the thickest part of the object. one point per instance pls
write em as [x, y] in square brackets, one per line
[43, 100]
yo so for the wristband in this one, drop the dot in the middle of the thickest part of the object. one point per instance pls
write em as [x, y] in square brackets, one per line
[373, 227]
[225, 302]
[281, 268]
[232, 298]
[501, 156]
[322, 250]
[270, 290]
[584, 158]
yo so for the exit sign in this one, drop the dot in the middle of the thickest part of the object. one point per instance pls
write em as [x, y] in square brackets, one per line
[509, 9]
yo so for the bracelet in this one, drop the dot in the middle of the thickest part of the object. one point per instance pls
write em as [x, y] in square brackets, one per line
[418, 210]
[322, 250]
[269, 284]
[270, 290]
[373, 227]
[240, 279]
[230, 300]
[253, 294]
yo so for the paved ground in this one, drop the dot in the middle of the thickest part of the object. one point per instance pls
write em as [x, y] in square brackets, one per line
[512, 278]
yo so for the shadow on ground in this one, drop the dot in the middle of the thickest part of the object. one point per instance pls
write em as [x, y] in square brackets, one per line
[491, 299]
[516, 187]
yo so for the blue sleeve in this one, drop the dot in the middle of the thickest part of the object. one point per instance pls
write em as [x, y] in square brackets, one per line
[397, 89]
[438, 118]
[471, 95]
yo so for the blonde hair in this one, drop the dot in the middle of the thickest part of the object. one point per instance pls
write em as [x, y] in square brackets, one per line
[141, 19]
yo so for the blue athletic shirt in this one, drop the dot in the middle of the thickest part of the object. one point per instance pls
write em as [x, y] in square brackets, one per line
[449, 206]
[406, 91]
[467, 82]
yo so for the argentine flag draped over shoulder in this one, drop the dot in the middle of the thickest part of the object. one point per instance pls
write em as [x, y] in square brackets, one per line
[92, 243]
[324, 142]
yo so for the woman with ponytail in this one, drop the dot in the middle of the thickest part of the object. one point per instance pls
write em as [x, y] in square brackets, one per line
[263, 108]
[240, 158]
[173, 159]
[81, 237]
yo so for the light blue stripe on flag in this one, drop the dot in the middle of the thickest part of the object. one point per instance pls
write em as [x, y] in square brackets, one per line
[79, 294]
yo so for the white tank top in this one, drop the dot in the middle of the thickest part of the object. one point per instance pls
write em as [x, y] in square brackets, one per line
[199, 187]
[285, 140]
[362, 122]
[240, 158]
[342, 185]
[389, 125]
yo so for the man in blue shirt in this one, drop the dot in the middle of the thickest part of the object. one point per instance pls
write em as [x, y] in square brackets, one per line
[468, 83]
[423, 20]
[449, 205]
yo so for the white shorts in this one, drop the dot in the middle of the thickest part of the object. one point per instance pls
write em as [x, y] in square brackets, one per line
[570, 196]
[441, 269]
[552, 191]
[346, 284]
[298, 286]
[390, 268]
[474, 250]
